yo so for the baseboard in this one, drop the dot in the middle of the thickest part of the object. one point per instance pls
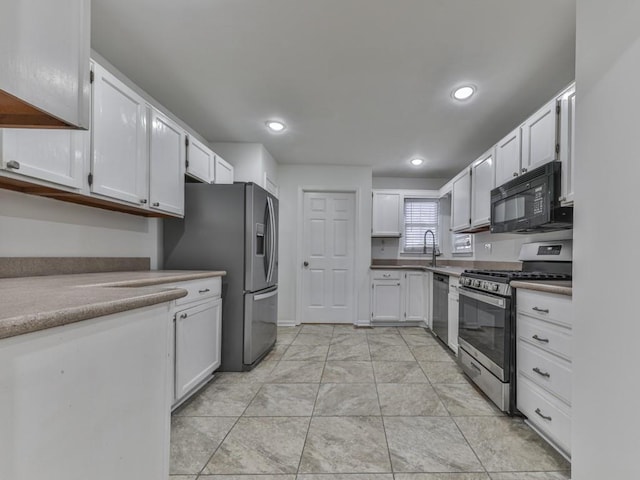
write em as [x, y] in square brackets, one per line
[363, 323]
[286, 323]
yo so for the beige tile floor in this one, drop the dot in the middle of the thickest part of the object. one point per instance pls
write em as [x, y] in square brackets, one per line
[338, 403]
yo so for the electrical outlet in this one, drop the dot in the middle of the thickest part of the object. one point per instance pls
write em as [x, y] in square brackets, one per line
[487, 247]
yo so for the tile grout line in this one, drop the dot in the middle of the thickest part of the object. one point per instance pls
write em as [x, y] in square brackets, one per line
[240, 416]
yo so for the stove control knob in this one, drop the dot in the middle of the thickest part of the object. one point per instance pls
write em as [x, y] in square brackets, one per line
[476, 283]
[495, 287]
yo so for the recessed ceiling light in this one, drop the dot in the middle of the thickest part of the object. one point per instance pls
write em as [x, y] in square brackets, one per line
[463, 93]
[275, 126]
[417, 162]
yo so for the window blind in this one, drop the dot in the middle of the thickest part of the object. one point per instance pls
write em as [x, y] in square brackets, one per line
[420, 215]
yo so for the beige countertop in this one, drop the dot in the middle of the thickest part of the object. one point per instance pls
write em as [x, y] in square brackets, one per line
[445, 270]
[30, 304]
[561, 287]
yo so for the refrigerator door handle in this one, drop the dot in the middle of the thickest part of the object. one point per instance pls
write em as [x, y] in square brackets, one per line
[271, 237]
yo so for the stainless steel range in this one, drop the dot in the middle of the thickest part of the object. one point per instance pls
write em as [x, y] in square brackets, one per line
[487, 317]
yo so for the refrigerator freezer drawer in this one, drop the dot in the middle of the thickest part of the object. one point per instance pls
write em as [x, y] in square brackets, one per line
[260, 323]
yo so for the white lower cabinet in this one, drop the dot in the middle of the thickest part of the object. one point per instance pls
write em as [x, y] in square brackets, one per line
[88, 399]
[398, 296]
[453, 304]
[543, 363]
[198, 335]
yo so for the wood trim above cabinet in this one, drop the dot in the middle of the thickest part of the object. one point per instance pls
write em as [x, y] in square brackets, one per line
[72, 197]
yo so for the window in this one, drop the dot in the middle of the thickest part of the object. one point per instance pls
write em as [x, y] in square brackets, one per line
[420, 215]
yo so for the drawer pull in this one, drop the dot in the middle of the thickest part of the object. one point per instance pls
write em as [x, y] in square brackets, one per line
[475, 367]
[541, 373]
[183, 316]
[540, 310]
[204, 290]
[542, 415]
[543, 340]
[386, 275]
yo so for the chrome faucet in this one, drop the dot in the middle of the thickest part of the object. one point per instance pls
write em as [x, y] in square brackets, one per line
[433, 246]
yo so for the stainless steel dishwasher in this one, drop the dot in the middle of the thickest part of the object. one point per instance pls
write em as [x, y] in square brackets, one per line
[441, 306]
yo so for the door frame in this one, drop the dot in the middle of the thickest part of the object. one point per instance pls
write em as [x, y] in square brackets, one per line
[300, 236]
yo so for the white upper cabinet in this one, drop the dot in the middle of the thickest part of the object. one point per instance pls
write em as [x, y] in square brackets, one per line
[54, 156]
[461, 202]
[539, 138]
[45, 63]
[386, 214]
[200, 161]
[482, 182]
[166, 165]
[508, 157]
[119, 157]
[567, 143]
[223, 171]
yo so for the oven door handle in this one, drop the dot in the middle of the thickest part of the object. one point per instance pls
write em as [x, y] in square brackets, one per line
[484, 298]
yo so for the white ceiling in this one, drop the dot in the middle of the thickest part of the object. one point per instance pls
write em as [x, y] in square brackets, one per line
[358, 82]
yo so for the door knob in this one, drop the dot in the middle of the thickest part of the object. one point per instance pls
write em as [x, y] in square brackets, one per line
[306, 264]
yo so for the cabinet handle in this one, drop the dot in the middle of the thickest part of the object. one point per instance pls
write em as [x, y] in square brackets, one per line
[541, 373]
[398, 283]
[543, 340]
[515, 174]
[386, 275]
[183, 316]
[543, 416]
[475, 367]
[204, 290]
[524, 170]
[156, 204]
[540, 310]
[143, 201]
[13, 165]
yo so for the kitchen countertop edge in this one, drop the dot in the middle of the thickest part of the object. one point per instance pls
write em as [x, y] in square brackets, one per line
[150, 290]
[449, 270]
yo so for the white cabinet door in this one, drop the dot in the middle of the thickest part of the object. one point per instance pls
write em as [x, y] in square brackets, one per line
[119, 157]
[166, 165]
[482, 182]
[88, 400]
[461, 202]
[539, 137]
[198, 352]
[386, 214]
[387, 301]
[45, 60]
[223, 171]
[414, 290]
[567, 144]
[200, 160]
[55, 156]
[508, 157]
[453, 322]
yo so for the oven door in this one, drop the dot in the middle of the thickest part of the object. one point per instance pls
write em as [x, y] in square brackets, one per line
[484, 330]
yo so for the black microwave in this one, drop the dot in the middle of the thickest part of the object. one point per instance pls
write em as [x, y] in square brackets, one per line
[530, 203]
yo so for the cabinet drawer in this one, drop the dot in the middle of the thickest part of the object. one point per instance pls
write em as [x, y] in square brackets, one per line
[386, 274]
[544, 335]
[537, 404]
[548, 306]
[544, 369]
[200, 290]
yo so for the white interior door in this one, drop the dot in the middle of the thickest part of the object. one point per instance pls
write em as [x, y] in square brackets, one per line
[328, 258]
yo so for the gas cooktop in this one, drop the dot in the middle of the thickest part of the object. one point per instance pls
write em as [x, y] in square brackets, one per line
[497, 281]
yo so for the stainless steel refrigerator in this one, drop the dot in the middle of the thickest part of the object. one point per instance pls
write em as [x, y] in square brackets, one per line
[233, 228]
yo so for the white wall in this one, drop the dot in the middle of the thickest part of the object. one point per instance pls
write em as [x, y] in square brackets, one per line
[33, 226]
[409, 183]
[250, 161]
[606, 385]
[292, 178]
